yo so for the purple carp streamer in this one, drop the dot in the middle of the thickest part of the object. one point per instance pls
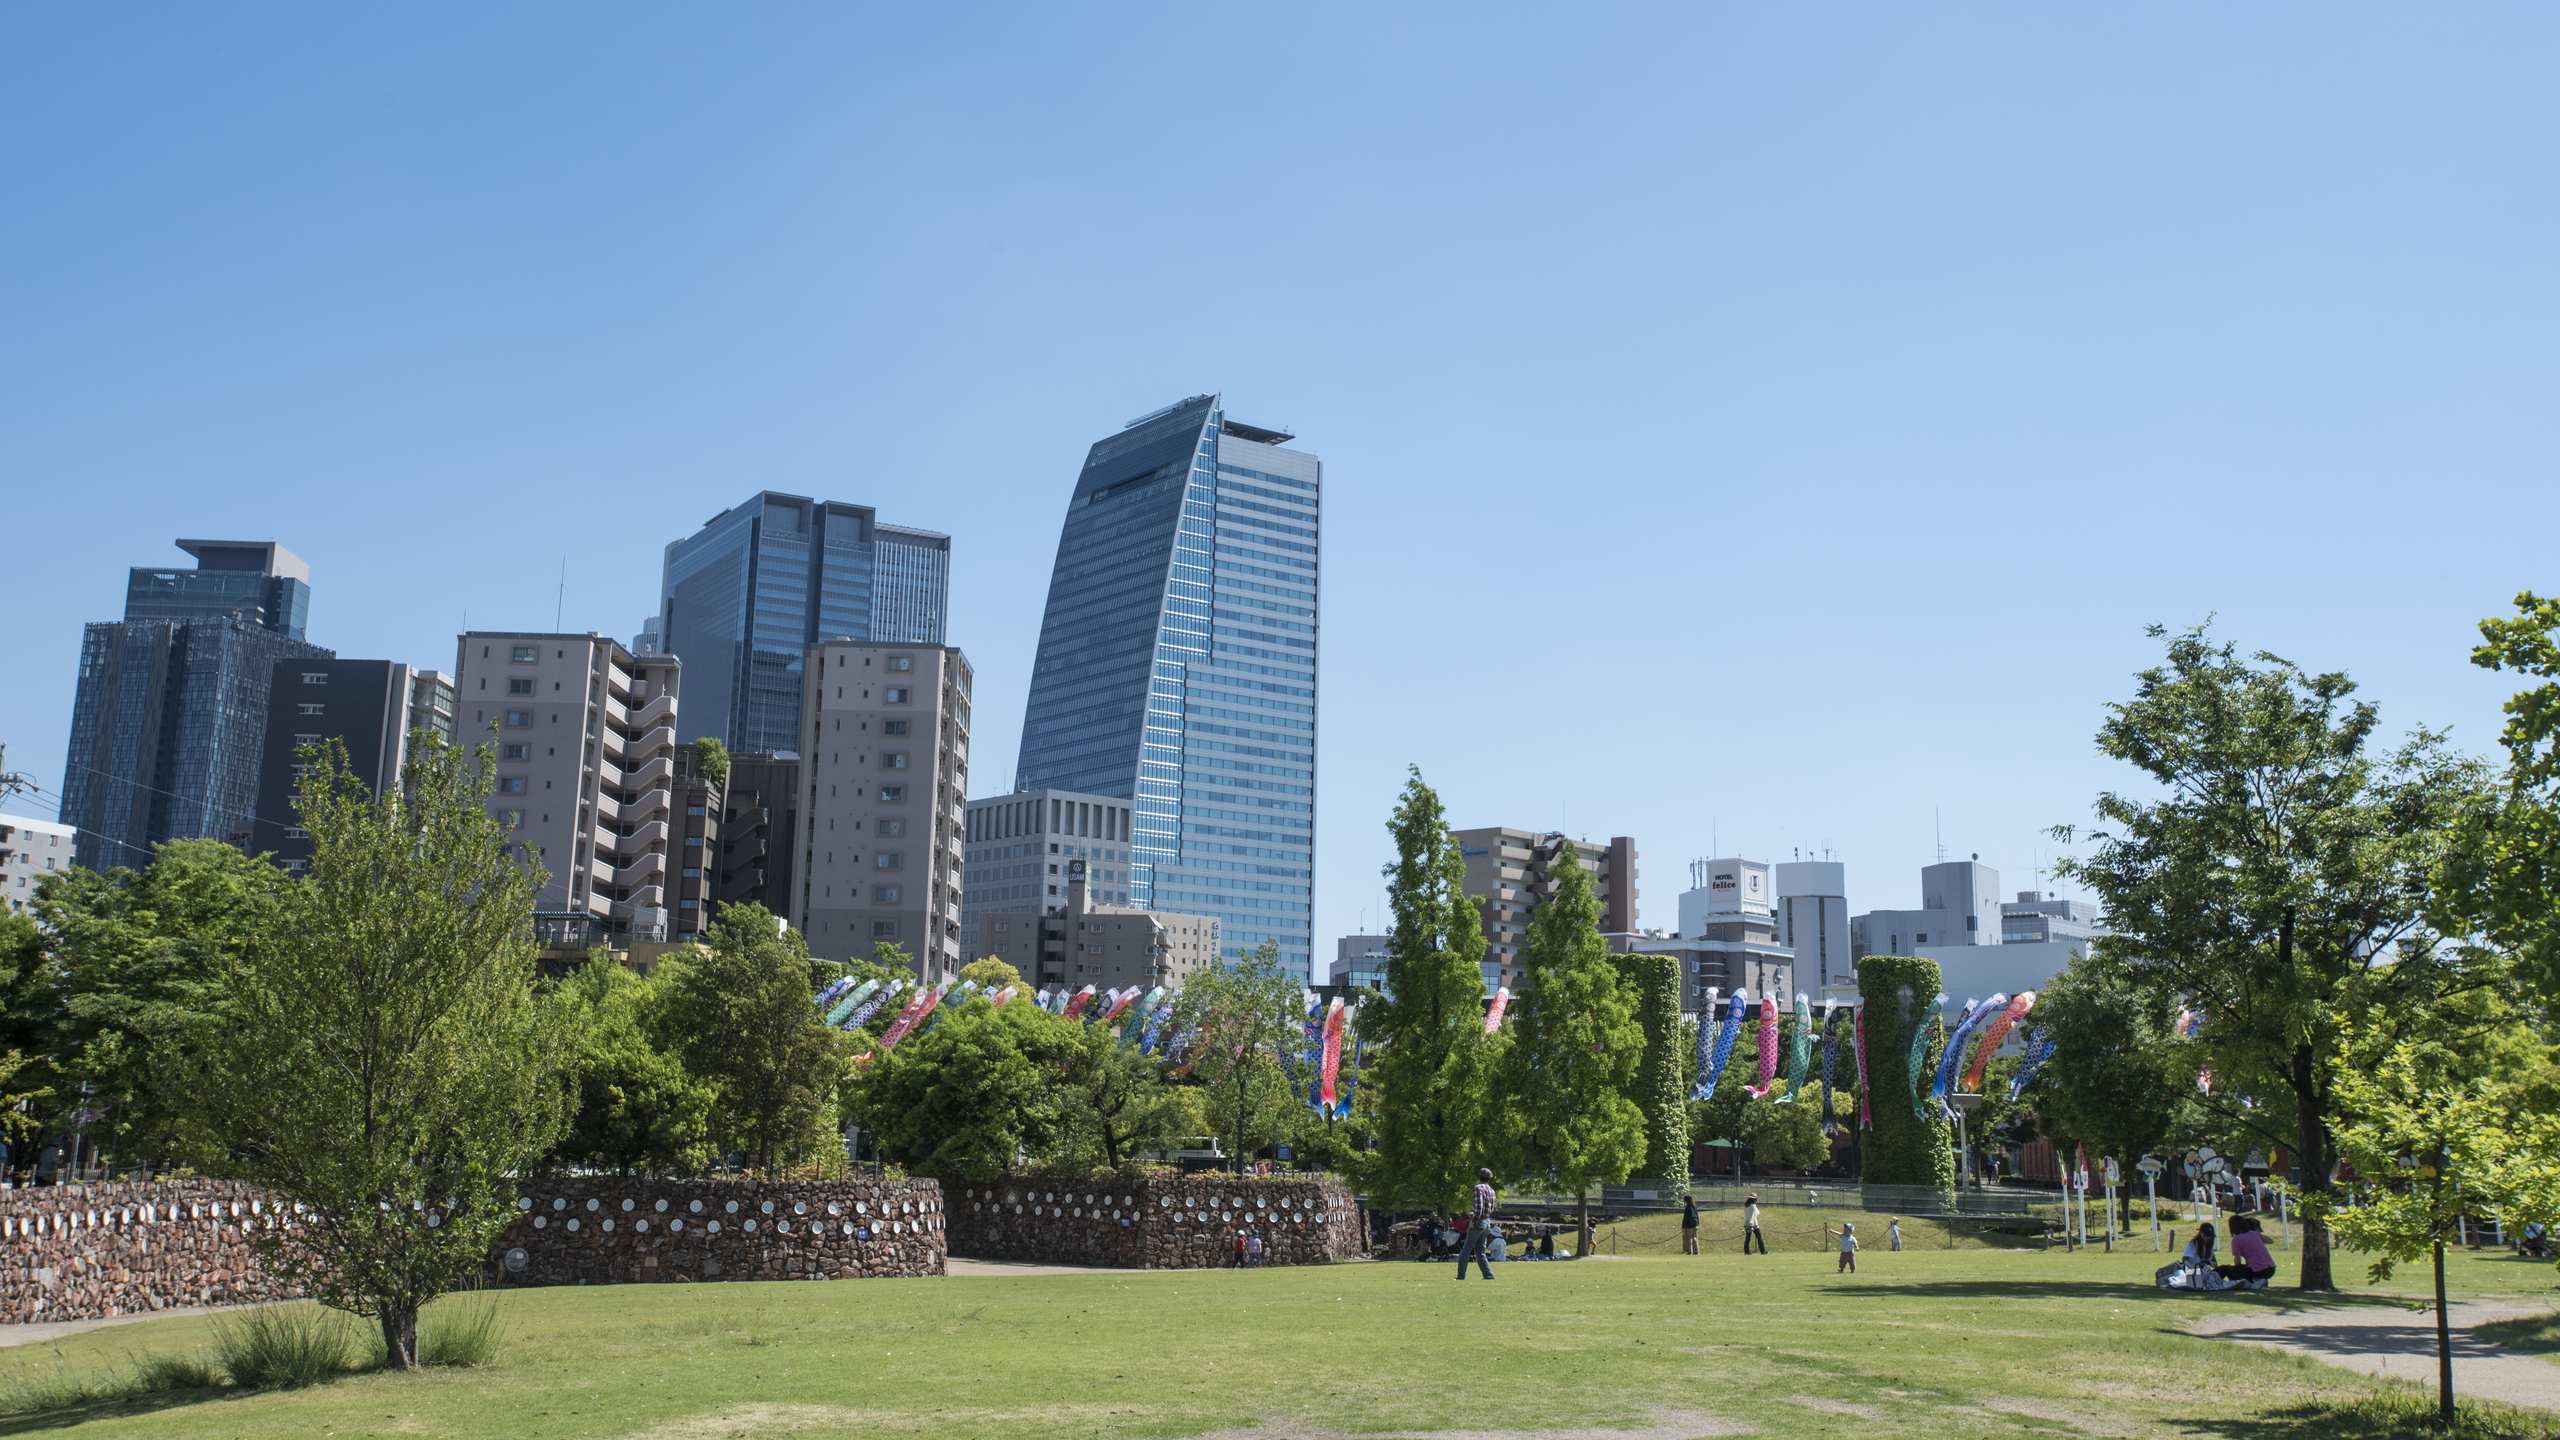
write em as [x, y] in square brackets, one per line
[2039, 1050]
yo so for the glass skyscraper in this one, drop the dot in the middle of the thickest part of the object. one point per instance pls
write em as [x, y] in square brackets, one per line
[744, 598]
[1177, 667]
[168, 726]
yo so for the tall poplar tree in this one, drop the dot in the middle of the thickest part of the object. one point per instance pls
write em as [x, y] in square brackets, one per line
[1561, 1087]
[1427, 1033]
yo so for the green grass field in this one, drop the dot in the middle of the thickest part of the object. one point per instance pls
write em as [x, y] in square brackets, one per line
[1929, 1342]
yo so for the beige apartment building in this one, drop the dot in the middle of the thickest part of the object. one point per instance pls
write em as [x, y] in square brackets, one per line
[884, 783]
[1509, 872]
[1107, 946]
[585, 739]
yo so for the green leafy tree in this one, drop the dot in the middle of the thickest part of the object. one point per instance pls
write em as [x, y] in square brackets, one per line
[1786, 1137]
[973, 1096]
[1431, 1055]
[1245, 1017]
[1117, 1102]
[136, 984]
[2506, 874]
[2119, 1075]
[1896, 992]
[2430, 1146]
[382, 1059]
[711, 760]
[1561, 1085]
[2279, 877]
[991, 974]
[638, 1108]
[738, 1012]
[1662, 1078]
[28, 1010]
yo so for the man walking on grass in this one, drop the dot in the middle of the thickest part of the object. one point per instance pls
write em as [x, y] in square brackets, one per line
[1688, 1224]
[1479, 1223]
[1751, 1226]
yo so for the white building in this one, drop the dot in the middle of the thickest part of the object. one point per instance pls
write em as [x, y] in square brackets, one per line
[29, 851]
[1020, 847]
[1979, 970]
[2034, 917]
[1728, 936]
[1813, 921]
[1959, 905]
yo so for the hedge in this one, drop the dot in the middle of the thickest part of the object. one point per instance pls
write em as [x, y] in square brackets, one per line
[1662, 1079]
[1902, 1149]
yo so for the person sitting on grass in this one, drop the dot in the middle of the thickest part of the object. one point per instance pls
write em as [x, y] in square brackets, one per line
[1848, 1233]
[2249, 1248]
[2199, 1251]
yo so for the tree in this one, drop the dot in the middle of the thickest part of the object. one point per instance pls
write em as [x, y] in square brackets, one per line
[2119, 1077]
[1898, 995]
[382, 1061]
[739, 1012]
[1788, 1137]
[1244, 1018]
[1429, 1039]
[991, 974]
[638, 1108]
[968, 1098]
[1117, 1102]
[2430, 1146]
[1561, 1085]
[135, 983]
[25, 1006]
[711, 760]
[2280, 880]
[2507, 873]
[1662, 1078]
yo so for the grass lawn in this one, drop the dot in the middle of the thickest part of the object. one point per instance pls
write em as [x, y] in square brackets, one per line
[1930, 1342]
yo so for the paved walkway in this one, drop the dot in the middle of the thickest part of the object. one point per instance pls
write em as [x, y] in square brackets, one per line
[2401, 1344]
[44, 1332]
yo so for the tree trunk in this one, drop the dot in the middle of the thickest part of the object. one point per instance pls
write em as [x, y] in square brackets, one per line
[1583, 1225]
[399, 1337]
[2444, 1348]
[2311, 1157]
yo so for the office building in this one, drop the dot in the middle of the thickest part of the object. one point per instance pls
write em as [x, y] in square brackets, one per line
[759, 807]
[1509, 871]
[742, 599]
[1973, 971]
[1360, 962]
[1756, 968]
[584, 734]
[1085, 942]
[29, 851]
[2035, 917]
[1176, 667]
[168, 724]
[650, 639]
[694, 846]
[884, 776]
[1728, 931]
[1959, 906]
[1021, 845]
[1813, 921]
[372, 707]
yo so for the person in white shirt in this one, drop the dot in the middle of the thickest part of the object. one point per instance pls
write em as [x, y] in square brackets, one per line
[1848, 1247]
[1751, 1225]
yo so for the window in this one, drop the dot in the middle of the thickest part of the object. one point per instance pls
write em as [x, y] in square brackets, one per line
[886, 894]
[693, 872]
[892, 829]
[520, 685]
[693, 842]
[888, 859]
[312, 708]
[893, 727]
[884, 929]
[693, 810]
[315, 677]
[515, 750]
[519, 719]
[523, 654]
[902, 662]
[894, 760]
[510, 784]
[895, 695]
[892, 794]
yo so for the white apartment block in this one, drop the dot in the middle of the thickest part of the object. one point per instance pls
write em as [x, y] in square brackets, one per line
[585, 741]
[29, 851]
[1021, 846]
[884, 784]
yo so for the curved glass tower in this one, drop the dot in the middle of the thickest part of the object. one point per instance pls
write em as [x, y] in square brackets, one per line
[1177, 667]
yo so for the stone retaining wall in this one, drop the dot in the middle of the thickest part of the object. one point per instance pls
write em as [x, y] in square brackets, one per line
[1154, 1224]
[84, 1252]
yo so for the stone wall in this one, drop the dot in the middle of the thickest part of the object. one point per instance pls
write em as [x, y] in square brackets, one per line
[1154, 1224]
[86, 1252]
[602, 1230]
[82, 1252]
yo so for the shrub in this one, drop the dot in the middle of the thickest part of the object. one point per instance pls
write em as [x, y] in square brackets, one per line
[161, 1374]
[462, 1331]
[284, 1347]
[1662, 1078]
[1896, 992]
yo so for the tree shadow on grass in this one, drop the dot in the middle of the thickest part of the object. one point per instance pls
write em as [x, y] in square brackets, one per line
[108, 1407]
[2270, 1301]
[2384, 1418]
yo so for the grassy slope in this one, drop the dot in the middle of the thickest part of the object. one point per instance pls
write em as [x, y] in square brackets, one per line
[1970, 1341]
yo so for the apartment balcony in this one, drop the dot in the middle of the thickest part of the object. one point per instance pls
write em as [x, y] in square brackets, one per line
[645, 872]
[656, 708]
[656, 741]
[600, 869]
[617, 716]
[607, 807]
[652, 774]
[649, 804]
[649, 837]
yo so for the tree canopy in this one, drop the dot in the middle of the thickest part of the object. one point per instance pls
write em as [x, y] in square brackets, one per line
[1429, 1027]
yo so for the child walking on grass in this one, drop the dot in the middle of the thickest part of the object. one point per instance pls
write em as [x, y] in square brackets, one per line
[1848, 1233]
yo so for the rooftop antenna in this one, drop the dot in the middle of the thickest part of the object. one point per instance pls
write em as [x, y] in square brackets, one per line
[1938, 818]
[560, 599]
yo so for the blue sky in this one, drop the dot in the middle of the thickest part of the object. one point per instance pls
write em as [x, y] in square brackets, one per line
[1745, 427]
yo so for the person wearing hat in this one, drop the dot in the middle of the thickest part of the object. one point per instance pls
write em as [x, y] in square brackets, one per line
[1751, 1225]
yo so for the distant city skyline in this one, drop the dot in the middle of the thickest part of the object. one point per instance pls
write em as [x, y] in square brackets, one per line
[1743, 429]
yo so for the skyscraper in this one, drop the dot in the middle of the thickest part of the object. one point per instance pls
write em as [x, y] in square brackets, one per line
[743, 598]
[168, 725]
[1177, 667]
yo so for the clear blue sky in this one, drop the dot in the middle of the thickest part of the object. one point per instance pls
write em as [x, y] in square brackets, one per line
[1768, 425]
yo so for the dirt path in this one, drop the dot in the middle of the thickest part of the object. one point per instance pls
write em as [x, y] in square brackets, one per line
[46, 1331]
[2401, 1344]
